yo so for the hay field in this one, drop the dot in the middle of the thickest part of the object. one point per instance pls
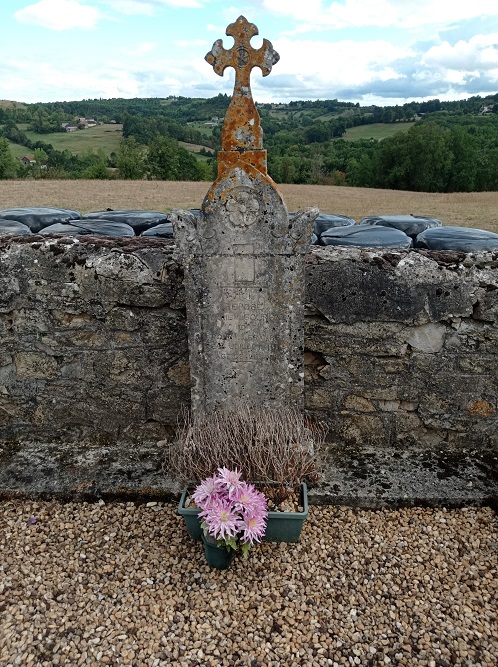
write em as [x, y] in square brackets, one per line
[475, 209]
[376, 131]
[106, 137]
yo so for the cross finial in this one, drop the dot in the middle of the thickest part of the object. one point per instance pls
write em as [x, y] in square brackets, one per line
[242, 130]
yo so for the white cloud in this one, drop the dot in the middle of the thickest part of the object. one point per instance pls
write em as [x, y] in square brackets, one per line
[342, 63]
[59, 14]
[466, 63]
[29, 81]
[480, 52]
[131, 7]
[320, 14]
[148, 7]
[142, 49]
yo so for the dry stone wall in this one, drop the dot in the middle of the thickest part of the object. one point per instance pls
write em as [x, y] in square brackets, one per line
[401, 351]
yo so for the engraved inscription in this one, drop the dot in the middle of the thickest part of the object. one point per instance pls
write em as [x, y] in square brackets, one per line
[244, 335]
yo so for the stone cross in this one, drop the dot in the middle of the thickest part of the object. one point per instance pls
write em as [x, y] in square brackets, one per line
[242, 130]
[244, 260]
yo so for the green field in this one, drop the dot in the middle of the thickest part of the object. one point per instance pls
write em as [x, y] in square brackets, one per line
[376, 131]
[17, 150]
[106, 137]
[8, 104]
[202, 127]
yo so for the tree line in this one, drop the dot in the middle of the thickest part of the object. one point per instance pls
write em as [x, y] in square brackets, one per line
[452, 146]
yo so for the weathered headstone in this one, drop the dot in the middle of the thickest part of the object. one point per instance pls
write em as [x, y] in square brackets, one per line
[244, 259]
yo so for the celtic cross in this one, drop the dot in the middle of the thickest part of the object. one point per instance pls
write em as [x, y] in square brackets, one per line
[242, 130]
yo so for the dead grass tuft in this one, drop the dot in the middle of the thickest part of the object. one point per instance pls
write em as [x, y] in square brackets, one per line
[274, 447]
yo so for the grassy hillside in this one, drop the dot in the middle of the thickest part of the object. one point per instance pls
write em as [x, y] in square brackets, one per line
[375, 131]
[9, 104]
[106, 137]
[18, 150]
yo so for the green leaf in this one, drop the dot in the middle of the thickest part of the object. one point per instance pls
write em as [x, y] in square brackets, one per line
[232, 543]
[245, 547]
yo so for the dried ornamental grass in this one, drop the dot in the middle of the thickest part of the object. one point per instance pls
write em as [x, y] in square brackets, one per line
[273, 447]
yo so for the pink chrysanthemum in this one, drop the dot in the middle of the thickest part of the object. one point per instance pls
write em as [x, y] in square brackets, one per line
[207, 491]
[230, 479]
[253, 528]
[221, 520]
[248, 499]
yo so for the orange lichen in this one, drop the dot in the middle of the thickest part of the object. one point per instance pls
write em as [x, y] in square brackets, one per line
[481, 409]
[242, 134]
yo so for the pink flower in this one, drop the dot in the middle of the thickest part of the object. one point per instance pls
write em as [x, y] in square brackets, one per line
[247, 498]
[231, 510]
[230, 479]
[253, 528]
[207, 491]
[221, 519]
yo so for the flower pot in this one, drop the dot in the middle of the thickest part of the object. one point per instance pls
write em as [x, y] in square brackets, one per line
[218, 557]
[191, 517]
[280, 527]
[287, 526]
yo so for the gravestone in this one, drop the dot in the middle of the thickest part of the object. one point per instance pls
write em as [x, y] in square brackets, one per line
[244, 259]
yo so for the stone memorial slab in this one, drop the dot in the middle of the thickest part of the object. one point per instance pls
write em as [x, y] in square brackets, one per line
[244, 259]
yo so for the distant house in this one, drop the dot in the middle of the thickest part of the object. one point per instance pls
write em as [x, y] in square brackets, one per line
[489, 108]
[83, 123]
[28, 160]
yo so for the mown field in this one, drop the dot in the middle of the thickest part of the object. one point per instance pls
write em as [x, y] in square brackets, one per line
[376, 131]
[474, 209]
[105, 137]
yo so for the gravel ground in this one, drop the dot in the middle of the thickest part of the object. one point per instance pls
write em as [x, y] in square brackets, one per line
[123, 584]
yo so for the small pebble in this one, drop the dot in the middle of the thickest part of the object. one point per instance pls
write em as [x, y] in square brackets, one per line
[388, 587]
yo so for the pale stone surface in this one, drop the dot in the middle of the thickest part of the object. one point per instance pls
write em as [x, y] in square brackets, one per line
[244, 265]
[427, 337]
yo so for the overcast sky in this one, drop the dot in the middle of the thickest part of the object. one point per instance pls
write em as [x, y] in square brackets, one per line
[367, 51]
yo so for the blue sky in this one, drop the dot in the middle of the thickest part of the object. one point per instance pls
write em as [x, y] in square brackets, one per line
[367, 51]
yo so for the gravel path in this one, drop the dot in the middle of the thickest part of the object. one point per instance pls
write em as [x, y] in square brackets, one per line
[122, 584]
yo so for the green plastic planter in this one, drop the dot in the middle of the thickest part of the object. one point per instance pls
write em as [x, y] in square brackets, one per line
[281, 526]
[287, 526]
[191, 518]
[218, 557]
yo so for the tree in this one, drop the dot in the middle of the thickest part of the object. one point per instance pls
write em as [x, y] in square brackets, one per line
[96, 171]
[8, 166]
[317, 171]
[40, 157]
[130, 159]
[420, 160]
[168, 161]
[464, 170]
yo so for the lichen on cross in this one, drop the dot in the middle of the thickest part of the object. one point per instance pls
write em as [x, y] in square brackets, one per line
[242, 129]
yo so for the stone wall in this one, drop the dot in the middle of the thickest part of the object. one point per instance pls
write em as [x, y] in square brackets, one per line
[401, 352]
